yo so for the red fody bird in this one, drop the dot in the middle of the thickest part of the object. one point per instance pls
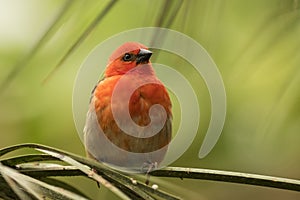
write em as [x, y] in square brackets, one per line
[129, 122]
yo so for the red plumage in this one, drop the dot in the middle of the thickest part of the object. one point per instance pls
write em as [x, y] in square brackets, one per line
[129, 66]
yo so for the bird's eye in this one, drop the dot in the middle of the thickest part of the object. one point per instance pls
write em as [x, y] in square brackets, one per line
[127, 57]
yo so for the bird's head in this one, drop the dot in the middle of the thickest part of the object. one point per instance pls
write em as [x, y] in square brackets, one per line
[127, 57]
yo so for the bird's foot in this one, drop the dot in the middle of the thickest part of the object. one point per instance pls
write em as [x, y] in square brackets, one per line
[148, 167]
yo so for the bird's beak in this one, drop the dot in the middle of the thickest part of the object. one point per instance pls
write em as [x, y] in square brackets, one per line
[143, 56]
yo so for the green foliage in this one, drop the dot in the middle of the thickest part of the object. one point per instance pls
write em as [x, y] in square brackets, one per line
[255, 45]
[27, 177]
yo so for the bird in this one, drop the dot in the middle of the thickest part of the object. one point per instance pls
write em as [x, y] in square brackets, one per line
[129, 121]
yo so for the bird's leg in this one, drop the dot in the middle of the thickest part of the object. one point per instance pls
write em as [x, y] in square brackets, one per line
[150, 166]
[95, 171]
[89, 155]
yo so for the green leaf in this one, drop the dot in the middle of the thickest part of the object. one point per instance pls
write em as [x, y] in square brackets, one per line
[26, 187]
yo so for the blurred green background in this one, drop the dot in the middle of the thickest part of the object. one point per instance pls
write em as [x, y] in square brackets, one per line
[255, 44]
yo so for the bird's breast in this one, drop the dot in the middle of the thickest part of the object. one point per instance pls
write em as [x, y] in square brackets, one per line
[138, 103]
